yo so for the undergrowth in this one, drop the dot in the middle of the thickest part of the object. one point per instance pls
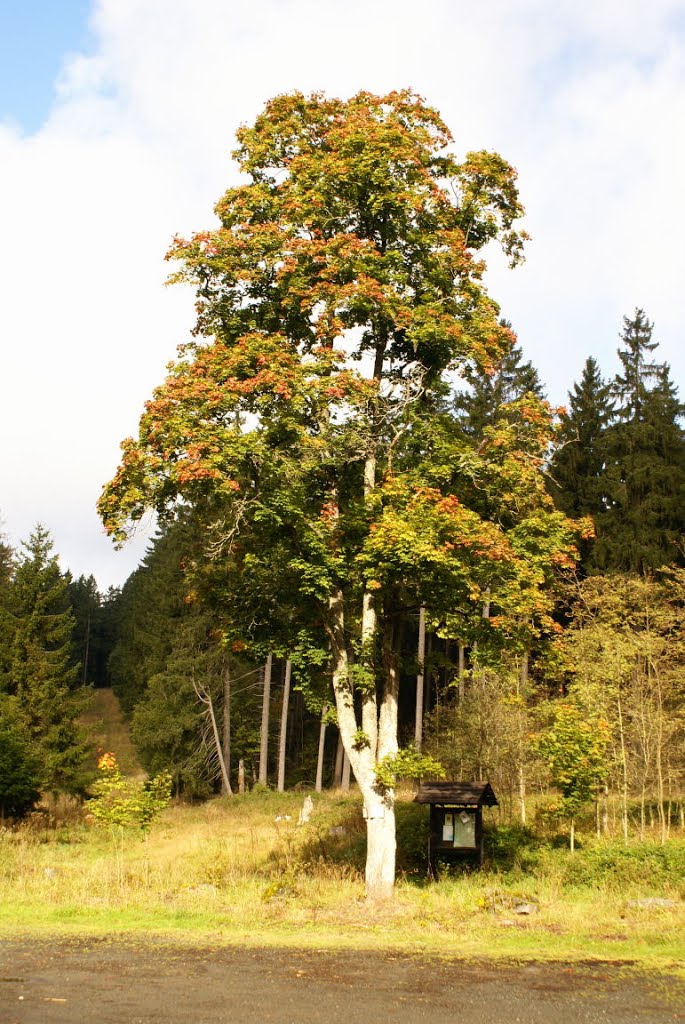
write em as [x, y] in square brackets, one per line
[244, 867]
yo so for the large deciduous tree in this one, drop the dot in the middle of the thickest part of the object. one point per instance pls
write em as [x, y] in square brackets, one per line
[338, 299]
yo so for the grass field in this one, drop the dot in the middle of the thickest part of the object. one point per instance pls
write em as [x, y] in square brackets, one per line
[241, 870]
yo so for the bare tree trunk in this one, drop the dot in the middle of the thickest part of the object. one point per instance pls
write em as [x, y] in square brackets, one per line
[86, 653]
[624, 767]
[605, 808]
[205, 697]
[462, 665]
[318, 784]
[659, 758]
[280, 785]
[418, 726]
[338, 767]
[226, 737]
[523, 692]
[345, 779]
[264, 733]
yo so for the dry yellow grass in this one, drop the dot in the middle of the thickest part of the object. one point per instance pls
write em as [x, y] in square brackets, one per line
[231, 871]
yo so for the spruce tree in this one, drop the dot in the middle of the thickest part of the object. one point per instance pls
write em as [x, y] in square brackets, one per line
[146, 615]
[578, 468]
[19, 766]
[482, 404]
[6, 621]
[42, 676]
[643, 523]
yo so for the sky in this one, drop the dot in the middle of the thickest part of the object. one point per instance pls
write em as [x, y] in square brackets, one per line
[117, 120]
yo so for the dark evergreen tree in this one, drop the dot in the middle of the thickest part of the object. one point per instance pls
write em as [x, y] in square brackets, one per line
[643, 523]
[145, 617]
[578, 468]
[41, 673]
[6, 620]
[93, 629]
[639, 374]
[19, 765]
[481, 405]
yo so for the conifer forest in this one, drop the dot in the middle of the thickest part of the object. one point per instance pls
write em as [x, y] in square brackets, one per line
[381, 553]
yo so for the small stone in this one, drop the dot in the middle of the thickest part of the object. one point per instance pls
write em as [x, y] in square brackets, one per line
[205, 889]
[525, 908]
[653, 901]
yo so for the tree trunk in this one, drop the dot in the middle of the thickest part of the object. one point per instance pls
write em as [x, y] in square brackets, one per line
[378, 736]
[345, 779]
[280, 786]
[241, 776]
[86, 653]
[418, 726]
[264, 733]
[204, 695]
[318, 785]
[225, 784]
[381, 846]
[338, 767]
[462, 666]
[364, 751]
[523, 694]
[624, 769]
[226, 731]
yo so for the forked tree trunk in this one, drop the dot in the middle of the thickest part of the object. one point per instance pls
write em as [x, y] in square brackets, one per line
[204, 695]
[364, 750]
[377, 738]
[280, 785]
[264, 733]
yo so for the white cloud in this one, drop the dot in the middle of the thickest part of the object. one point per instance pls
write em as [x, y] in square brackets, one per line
[586, 99]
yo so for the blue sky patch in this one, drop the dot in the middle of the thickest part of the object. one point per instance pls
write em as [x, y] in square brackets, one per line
[35, 37]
